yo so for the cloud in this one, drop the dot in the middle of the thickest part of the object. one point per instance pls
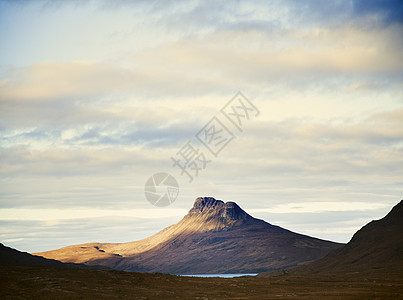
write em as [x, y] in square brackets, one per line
[24, 161]
[58, 81]
[389, 12]
[80, 213]
[315, 207]
[374, 13]
[200, 65]
[25, 234]
[372, 144]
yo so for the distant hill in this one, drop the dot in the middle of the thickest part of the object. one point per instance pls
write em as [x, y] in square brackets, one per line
[214, 237]
[12, 256]
[377, 249]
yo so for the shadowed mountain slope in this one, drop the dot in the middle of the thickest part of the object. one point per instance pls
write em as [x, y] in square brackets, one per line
[214, 237]
[375, 249]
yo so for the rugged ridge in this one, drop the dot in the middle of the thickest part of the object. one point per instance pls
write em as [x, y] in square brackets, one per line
[209, 214]
[214, 237]
[229, 211]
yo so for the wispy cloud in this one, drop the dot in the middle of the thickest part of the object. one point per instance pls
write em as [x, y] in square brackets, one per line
[314, 207]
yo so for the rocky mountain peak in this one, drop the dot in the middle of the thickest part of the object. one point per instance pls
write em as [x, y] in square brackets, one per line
[233, 212]
[206, 203]
[216, 208]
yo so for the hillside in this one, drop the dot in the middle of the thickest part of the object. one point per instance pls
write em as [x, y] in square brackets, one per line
[375, 249]
[10, 256]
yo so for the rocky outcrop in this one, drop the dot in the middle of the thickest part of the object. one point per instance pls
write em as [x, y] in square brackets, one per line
[229, 211]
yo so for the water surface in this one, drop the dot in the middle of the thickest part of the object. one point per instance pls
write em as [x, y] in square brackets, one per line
[220, 275]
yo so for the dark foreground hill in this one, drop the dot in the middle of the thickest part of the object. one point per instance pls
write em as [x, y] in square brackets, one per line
[42, 282]
[214, 237]
[374, 250]
[10, 256]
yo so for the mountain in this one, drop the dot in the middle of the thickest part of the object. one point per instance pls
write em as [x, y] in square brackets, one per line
[10, 256]
[375, 249]
[214, 237]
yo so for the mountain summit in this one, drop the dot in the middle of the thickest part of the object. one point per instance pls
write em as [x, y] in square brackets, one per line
[209, 214]
[214, 237]
[229, 211]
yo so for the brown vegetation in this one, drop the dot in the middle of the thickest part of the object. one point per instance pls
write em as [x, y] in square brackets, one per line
[41, 282]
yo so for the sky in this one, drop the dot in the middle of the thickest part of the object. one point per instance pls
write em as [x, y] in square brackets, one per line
[97, 96]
